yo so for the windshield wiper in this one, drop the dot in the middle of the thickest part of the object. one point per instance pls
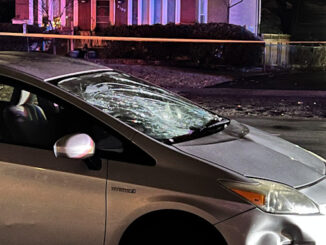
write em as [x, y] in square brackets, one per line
[214, 123]
[213, 126]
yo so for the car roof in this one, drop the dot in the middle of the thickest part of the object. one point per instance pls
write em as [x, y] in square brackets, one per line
[44, 66]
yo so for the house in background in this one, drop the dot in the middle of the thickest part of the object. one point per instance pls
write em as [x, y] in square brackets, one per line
[88, 14]
[246, 13]
[150, 12]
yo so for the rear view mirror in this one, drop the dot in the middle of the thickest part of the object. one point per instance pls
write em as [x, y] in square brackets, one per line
[76, 146]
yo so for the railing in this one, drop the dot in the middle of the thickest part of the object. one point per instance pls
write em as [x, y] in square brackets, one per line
[295, 56]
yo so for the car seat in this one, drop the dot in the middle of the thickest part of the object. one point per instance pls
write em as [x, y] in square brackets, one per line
[25, 121]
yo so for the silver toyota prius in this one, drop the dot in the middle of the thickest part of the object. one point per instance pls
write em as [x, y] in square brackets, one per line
[90, 155]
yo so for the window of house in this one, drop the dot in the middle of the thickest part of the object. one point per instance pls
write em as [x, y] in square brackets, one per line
[134, 12]
[45, 10]
[145, 11]
[171, 11]
[202, 11]
[102, 11]
[154, 11]
[56, 8]
[157, 11]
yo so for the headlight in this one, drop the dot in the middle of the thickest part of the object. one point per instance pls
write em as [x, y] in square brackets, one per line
[273, 197]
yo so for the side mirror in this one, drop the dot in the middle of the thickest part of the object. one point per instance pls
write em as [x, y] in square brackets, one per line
[76, 146]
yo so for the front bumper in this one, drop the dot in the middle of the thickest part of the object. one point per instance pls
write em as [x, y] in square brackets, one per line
[256, 227]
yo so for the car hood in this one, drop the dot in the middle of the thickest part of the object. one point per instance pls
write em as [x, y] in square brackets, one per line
[254, 153]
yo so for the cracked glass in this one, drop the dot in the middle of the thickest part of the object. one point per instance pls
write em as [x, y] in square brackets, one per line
[147, 108]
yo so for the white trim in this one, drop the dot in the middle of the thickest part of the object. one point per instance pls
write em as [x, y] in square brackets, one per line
[39, 12]
[50, 10]
[19, 22]
[75, 13]
[151, 12]
[164, 10]
[259, 17]
[140, 12]
[205, 11]
[63, 12]
[129, 15]
[147, 14]
[112, 12]
[30, 12]
[93, 14]
[177, 11]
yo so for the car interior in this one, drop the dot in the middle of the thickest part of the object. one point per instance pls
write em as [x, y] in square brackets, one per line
[25, 121]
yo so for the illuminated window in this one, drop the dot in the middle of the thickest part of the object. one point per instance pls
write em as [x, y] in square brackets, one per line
[151, 12]
[157, 11]
[171, 11]
[145, 11]
[202, 11]
[56, 8]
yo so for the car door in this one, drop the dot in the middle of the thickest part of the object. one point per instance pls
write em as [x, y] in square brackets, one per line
[44, 199]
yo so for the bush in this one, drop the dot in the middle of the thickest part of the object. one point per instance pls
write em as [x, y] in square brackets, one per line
[199, 54]
[308, 57]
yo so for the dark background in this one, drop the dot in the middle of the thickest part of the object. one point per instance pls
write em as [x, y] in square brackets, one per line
[7, 10]
[302, 19]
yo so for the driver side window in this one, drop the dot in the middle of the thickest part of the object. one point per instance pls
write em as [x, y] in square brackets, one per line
[31, 119]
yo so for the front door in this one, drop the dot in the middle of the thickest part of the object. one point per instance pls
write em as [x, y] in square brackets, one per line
[44, 199]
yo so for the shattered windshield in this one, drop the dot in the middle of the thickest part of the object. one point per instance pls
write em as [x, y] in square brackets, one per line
[149, 109]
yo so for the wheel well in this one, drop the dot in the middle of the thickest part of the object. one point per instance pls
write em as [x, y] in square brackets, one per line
[168, 218]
